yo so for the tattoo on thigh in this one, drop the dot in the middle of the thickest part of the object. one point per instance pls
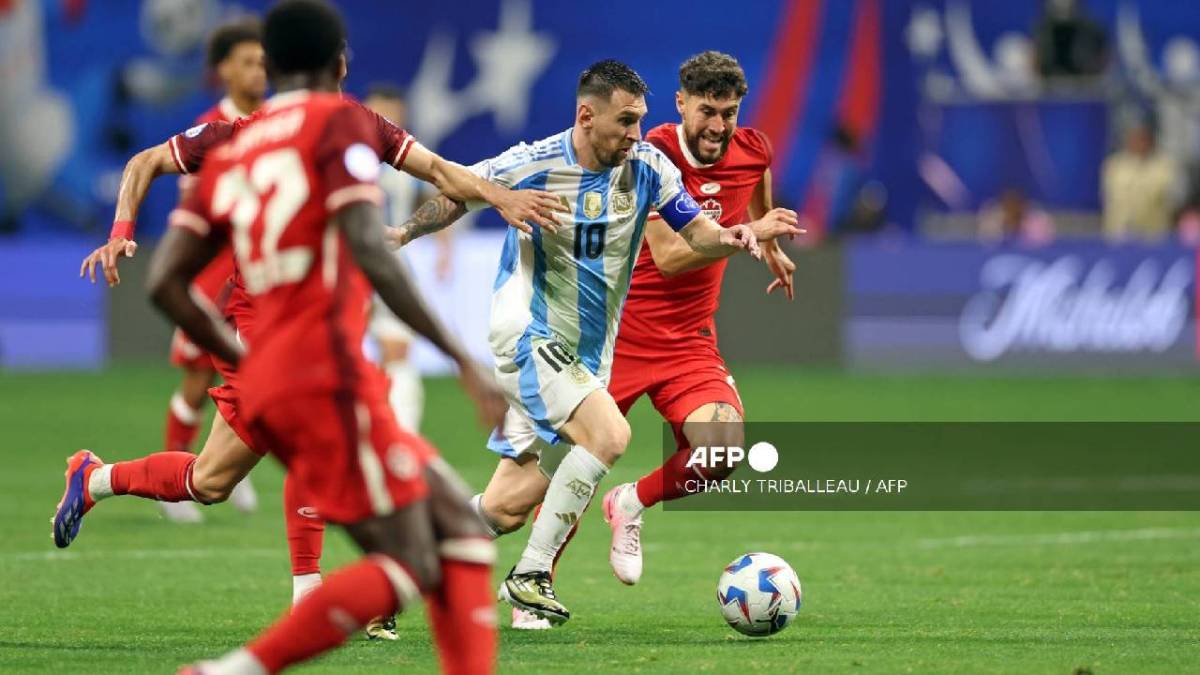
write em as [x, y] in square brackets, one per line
[723, 412]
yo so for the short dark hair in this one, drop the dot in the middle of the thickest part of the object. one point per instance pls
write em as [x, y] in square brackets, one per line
[229, 35]
[713, 73]
[385, 90]
[602, 78]
[303, 36]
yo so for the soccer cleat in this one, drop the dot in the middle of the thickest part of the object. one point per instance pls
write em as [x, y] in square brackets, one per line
[625, 556]
[522, 620]
[244, 497]
[382, 628]
[76, 501]
[181, 512]
[534, 593]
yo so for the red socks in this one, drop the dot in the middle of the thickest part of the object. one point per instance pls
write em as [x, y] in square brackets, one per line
[165, 476]
[342, 604]
[462, 614]
[305, 529]
[666, 482]
[182, 424]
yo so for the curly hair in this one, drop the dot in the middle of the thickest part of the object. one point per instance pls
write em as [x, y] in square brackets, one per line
[713, 73]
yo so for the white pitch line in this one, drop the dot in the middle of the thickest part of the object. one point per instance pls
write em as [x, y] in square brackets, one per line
[140, 554]
[1061, 538]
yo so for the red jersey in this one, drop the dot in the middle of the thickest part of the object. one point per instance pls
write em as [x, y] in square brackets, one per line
[212, 278]
[272, 189]
[660, 310]
[189, 148]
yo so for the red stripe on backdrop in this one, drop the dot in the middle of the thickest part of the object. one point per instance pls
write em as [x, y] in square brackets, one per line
[786, 85]
[858, 108]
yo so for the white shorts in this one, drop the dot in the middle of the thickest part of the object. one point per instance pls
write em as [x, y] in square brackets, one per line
[544, 382]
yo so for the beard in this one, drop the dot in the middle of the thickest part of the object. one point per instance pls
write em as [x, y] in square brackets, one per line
[709, 156]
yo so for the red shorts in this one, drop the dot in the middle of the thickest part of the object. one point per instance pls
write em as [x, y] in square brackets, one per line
[185, 354]
[237, 311]
[678, 382]
[346, 450]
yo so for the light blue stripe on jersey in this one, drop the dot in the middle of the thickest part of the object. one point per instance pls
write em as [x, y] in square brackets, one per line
[531, 395]
[510, 253]
[593, 284]
[537, 307]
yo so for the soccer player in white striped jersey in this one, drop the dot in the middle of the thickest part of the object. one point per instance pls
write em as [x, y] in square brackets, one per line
[557, 303]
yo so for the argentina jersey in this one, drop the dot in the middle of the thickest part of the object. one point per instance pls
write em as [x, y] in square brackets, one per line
[570, 285]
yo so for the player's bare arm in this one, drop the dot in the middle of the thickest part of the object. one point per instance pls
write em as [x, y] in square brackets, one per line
[362, 225]
[702, 241]
[434, 215]
[517, 207]
[773, 255]
[179, 257]
[140, 171]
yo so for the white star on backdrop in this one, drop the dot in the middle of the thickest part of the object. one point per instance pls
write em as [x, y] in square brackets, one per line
[508, 62]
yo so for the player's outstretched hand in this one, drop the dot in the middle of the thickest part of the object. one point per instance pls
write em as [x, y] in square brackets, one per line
[488, 398]
[521, 207]
[741, 236]
[106, 256]
[777, 223]
[782, 267]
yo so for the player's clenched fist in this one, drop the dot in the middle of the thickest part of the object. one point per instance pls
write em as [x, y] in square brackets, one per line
[106, 256]
[777, 223]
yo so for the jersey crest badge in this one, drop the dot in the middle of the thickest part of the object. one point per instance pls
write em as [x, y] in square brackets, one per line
[622, 203]
[592, 203]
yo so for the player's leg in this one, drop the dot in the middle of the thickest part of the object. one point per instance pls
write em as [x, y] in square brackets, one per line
[406, 395]
[516, 487]
[359, 469]
[462, 611]
[704, 409]
[599, 435]
[187, 402]
[165, 476]
[305, 529]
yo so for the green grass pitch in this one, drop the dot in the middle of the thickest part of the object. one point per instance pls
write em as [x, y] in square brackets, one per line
[883, 592]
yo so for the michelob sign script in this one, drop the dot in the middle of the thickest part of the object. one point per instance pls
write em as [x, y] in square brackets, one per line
[1085, 306]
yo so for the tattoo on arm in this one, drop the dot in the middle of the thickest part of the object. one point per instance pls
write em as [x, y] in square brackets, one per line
[436, 214]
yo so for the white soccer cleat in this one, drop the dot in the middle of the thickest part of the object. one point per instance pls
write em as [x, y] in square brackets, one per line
[244, 497]
[522, 620]
[182, 512]
[625, 519]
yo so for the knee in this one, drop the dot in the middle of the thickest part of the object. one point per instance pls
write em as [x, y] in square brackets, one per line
[210, 489]
[610, 442]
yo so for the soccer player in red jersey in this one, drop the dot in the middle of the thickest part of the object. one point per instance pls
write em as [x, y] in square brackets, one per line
[229, 453]
[235, 57]
[296, 192]
[667, 346]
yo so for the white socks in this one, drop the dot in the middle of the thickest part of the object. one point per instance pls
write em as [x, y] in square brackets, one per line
[304, 584]
[477, 507]
[407, 395]
[627, 501]
[184, 412]
[240, 662]
[100, 483]
[570, 490]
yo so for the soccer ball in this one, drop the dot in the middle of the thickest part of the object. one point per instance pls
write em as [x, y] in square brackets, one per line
[759, 594]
